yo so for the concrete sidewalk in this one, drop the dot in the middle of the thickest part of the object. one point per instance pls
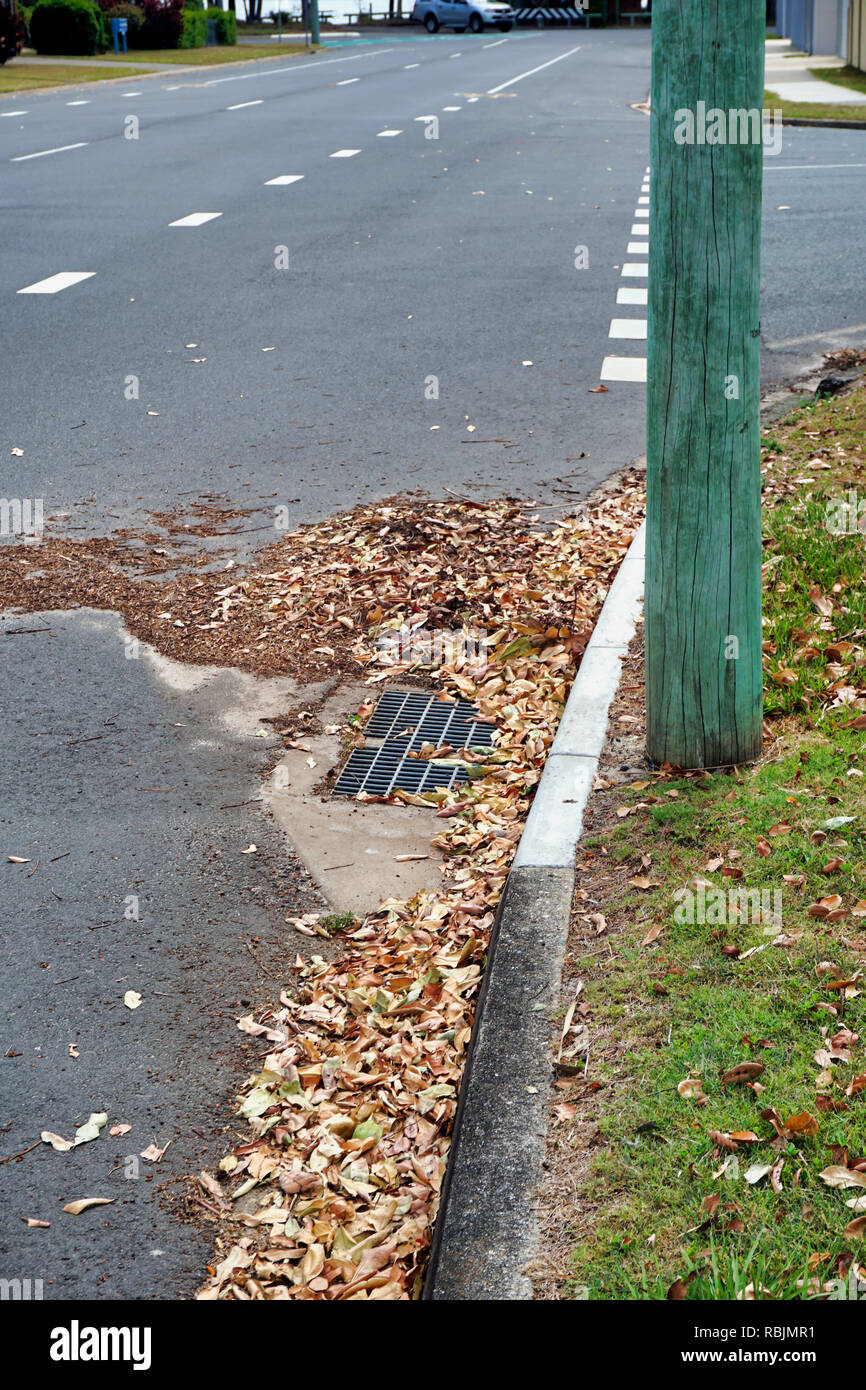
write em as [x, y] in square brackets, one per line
[788, 73]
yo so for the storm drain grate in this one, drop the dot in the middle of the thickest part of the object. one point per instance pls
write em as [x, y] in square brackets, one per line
[405, 719]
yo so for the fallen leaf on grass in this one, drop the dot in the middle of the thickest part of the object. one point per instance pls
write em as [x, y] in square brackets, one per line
[837, 1176]
[763, 848]
[644, 883]
[857, 1085]
[692, 1089]
[654, 932]
[756, 1172]
[743, 1071]
[82, 1203]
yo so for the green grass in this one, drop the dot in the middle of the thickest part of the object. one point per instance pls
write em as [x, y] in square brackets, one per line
[205, 57]
[14, 79]
[813, 110]
[846, 77]
[684, 1005]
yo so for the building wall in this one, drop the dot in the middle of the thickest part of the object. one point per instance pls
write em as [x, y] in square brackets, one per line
[857, 34]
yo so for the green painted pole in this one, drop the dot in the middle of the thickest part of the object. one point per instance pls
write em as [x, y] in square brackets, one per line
[703, 566]
[314, 21]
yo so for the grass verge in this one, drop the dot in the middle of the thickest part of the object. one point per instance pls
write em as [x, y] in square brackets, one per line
[25, 79]
[205, 57]
[814, 110]
[724, 1071]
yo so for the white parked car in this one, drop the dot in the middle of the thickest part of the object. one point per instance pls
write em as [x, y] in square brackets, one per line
[460, 15]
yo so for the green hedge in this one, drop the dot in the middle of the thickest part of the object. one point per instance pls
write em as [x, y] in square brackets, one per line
[68, 27]
[194, 32]
[134, 16]
[226, 24]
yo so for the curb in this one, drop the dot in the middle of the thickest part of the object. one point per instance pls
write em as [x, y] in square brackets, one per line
[830, 125]
[487, 1232]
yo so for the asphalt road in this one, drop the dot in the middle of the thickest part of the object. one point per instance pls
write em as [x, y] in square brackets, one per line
[431, 287]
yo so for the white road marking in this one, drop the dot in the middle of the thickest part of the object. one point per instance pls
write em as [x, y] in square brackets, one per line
[425, 118]
[636, 248]
[347, 81]
[284, 178]
[640, 229]
[623, 369]
[471, 99]
[491, 91]
[631, 294]
[131, 94]
[61, 281]
[768, 167]
[383, 133]
[195, 219]
[239, 105]
[276, 72]
[451, 108]
[494, 45]
[176, 88]
[78, 103]
[627, 328]
[641, 212]
[455, 55]
[643, 202]
[13, 113]
[636, 268]
[344, 154]
[40, 154]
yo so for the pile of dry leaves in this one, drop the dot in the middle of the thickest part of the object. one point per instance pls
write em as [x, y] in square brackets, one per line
[334, 1193]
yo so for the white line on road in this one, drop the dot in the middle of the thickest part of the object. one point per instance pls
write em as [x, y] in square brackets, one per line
[631, 294]
[383, 133]
[407, 66]
[491, 91]
[131, 94]
[636, 268]
[643, 202]
[455, 55]
[275, 72]
[239, 105]
[636, 248]
[641, 212]
[40, 154]
[61, 281]
[78, 103]
[195, 219]
[450, 108]
[623, 369]
[771, 168]
[344, 154]
[347, 81]
[494, 45]
[13, 113]
[627, 328]
[284, 178]
[471, 99]
[640, 229]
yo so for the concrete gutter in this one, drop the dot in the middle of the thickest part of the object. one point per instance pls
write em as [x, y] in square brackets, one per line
[487, 1231]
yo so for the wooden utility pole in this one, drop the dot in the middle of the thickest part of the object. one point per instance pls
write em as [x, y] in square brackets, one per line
[703, 567]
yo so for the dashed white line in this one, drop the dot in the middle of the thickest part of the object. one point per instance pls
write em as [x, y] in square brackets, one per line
[78, 103]
[195, 219]
[131, 94]
[640, 229]
[451, 108]
[491, 91]
[425, 118]
[455, 55]
[636, 268]
[383, 134]
[631, 294]
[623, 369]
[344, 154]
[643, 202]
[641, 212]
[471, 99]
[636, 248]
[13, 113]
[494, 45]
[277, 72]
[407, 66]
[40, 154]
[284, 178]
[239, 105]
[627, 328]
[61, 281]
[347, 81]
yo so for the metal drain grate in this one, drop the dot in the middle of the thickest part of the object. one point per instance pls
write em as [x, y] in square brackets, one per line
[404, 720]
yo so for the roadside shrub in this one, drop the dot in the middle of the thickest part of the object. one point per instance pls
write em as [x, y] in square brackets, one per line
[12, 35]
[226, 24]
[193, 28]
[67, 26]
[163, 23]
[134, 16]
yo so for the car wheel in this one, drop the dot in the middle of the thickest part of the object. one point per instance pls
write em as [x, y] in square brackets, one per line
[431, 24]
[476, 24]
[504, 28]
